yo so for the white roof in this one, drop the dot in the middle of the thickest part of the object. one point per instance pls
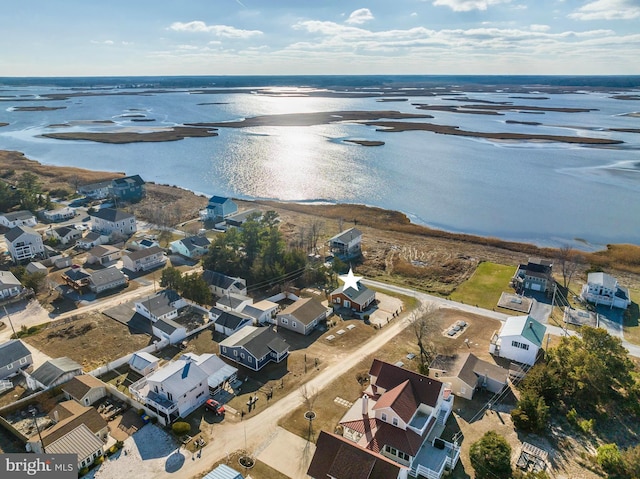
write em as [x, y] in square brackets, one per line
[141, 360]
[238, 336]
[179, 375]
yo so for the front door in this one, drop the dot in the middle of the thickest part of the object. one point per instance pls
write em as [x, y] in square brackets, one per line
[346, 303]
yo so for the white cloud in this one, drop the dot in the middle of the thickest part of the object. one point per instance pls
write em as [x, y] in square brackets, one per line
[467, 5]
[414, 14]
[360, 16]
[539, 28]
[102, 42]
[607, 10]
[225, 31]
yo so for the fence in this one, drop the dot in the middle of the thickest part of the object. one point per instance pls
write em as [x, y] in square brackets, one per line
[125, 359]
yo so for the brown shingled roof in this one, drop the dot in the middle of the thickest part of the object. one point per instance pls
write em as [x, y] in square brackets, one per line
[340, 458]
[388, 376]
[88, 416]
[81, 385]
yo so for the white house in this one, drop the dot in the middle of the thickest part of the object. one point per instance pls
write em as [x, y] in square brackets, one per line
[96, 191]
[233, 302]
[18, 218]
[59, 214]
[228, 322]
[144, 259]
[9, 285]
[23, 242]
[163, 305]
[170, 330]
[64, 234]
[347, 244]
[221, 284]
[179, 387]
[219, 207]
[519, 339]
[401, 416]
[263, 311]
[109, 221]
[191, 247]
[93, 239]
[602, 288]
[143, 363]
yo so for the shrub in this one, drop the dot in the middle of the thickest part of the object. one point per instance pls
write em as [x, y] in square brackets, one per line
[609, 458]
[572, 416]
[586, 425]
[83, 471]
[181, 428]
[98, 460]
[491, 457]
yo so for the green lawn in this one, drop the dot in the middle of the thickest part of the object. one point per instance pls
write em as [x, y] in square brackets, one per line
[632, 318]
[486, 284]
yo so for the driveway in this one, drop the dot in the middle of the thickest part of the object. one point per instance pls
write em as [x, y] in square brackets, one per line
[295, 447]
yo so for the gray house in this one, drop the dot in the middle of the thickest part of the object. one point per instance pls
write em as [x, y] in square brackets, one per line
[106, 279]
[53, 373]
[10, 286]
[254, 347]
[14, 357]
[302, 316]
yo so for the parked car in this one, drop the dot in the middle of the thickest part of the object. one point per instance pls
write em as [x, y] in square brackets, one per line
[214, 406]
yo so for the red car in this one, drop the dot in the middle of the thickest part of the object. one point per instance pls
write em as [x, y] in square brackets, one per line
[215, 406]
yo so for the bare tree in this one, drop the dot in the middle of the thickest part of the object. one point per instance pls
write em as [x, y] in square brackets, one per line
[315, 230]
[424, 324]
[309, 396]
[569, 261]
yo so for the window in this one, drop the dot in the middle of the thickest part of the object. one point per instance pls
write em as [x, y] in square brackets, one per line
[293, 324]
[23, 360]
[10, 366]
[384, 417]
[170, 396]
[284, 320]
[235, 353]
[395, 421]
[517, 344]
[242, 355]
[403, 455]
[224, 349]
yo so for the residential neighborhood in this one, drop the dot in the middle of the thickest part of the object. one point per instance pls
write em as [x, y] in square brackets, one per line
[199, 338]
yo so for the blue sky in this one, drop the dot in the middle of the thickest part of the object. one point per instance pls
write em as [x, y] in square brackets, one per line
[265, 37]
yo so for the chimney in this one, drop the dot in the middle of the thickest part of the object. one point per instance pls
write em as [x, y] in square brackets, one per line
[56, 417]
[365, 405]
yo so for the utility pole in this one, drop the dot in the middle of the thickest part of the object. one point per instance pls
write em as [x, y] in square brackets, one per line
[10, 322]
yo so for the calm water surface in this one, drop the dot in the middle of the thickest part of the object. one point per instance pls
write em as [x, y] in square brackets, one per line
[546, 193]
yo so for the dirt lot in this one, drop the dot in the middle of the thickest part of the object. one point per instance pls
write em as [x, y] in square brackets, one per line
[92, 341]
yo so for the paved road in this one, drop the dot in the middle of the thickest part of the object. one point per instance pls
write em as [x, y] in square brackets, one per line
[261, 429]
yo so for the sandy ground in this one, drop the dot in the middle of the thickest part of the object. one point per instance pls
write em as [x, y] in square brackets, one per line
[22, 314]
[147, 453]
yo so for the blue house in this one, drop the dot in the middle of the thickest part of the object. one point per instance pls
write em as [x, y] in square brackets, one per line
[254, 347]
[219, 207]
[129, 188]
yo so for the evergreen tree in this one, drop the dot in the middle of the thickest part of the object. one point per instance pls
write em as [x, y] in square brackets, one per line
[491, 457]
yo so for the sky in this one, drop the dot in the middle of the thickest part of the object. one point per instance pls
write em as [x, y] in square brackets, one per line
[316, 37]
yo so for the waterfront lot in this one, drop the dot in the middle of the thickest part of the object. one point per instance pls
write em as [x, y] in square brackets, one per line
[485, 286]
